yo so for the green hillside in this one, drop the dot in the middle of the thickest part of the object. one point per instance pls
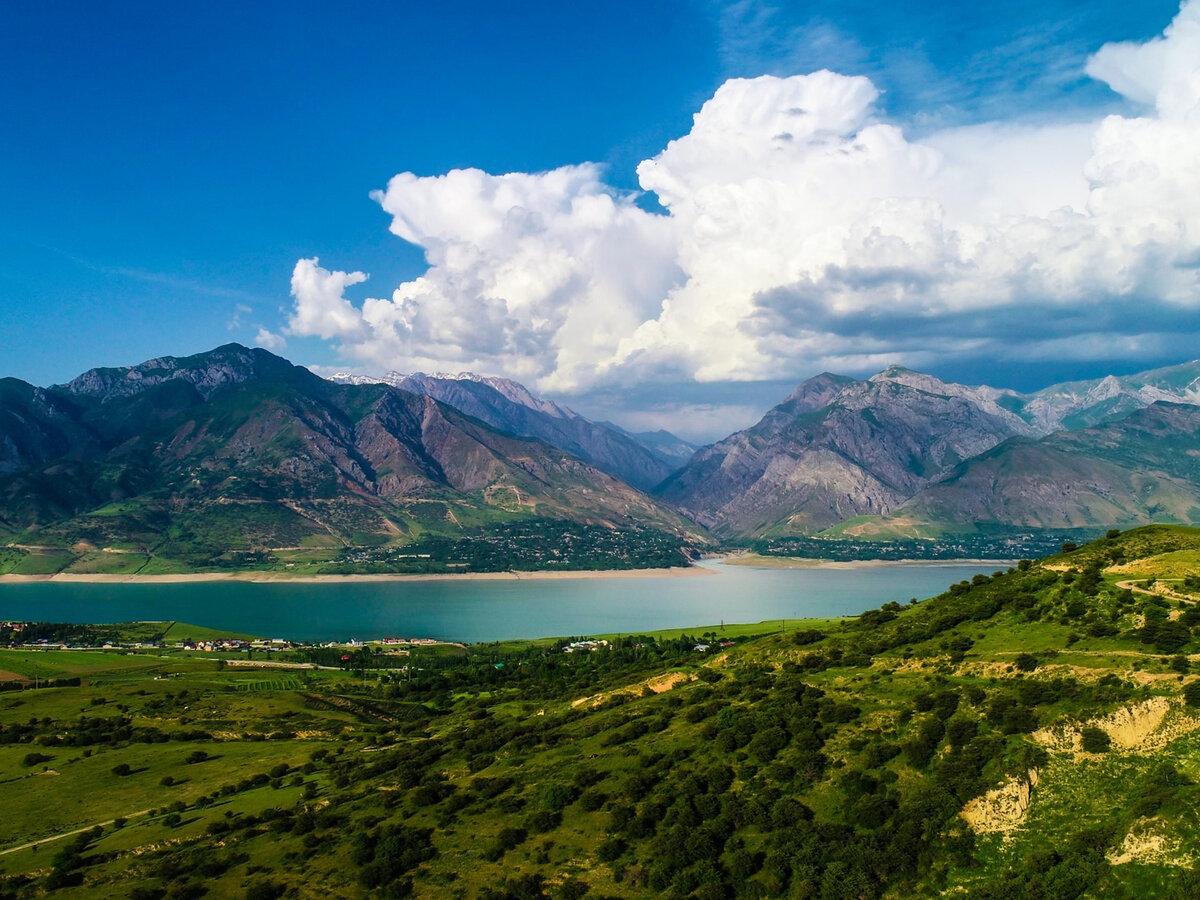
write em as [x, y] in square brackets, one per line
[1033, 734]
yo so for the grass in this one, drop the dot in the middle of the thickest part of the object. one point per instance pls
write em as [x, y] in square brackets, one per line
[33, 562]
[1176, 564]
[102, 563]
[182, 631]
[73, 663]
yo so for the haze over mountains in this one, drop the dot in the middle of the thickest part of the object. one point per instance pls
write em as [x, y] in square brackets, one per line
[240, 447]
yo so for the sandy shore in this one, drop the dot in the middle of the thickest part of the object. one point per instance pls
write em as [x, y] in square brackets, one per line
[284, 578]
[795, 562]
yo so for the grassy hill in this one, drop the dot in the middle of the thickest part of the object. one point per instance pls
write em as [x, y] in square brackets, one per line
[1032, 734]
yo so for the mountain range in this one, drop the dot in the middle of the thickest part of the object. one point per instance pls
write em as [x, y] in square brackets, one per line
[914, 454]
[238, 448]
[640, 460]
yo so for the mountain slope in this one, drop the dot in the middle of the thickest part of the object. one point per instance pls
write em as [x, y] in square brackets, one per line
[839, 448]
[510, 407]
[673, 450]
[836, 448]
[36, 426]
[1082, 403]
[239, 448]
[1143, 468]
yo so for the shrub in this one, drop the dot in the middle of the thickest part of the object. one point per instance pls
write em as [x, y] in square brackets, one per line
[961, 731]
[121, 770]
[544, 820]
[1025, 662]
[807, 636]
[265, 890]
[1170, 636]
[1095, 740]
[610, 850]
[505, 840]
[1191, 694]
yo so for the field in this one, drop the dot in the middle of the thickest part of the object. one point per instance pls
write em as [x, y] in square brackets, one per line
[1030, 735]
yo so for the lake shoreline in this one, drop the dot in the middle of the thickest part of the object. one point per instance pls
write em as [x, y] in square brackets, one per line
[753, 561]
[747, 561]
[284, 578]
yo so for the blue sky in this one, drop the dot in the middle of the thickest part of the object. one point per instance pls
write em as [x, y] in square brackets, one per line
[165, 166]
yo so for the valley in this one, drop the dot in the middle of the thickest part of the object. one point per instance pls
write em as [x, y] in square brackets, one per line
[1031, 733]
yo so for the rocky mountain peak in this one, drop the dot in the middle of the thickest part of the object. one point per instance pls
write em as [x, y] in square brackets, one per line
[817, 392]
[208, 372]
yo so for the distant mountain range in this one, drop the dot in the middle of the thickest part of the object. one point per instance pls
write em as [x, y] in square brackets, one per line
[913, 454]
[240, 448]
[640, 460]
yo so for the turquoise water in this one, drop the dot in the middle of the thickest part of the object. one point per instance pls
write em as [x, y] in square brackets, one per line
[475, 611]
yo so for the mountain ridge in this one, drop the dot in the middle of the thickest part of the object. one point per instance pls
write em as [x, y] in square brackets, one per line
[510, 406]
[838, 448]
[240, 448]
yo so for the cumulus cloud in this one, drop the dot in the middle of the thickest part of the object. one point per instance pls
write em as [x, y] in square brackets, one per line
[321, 308]
[802, 232]
[268, 340]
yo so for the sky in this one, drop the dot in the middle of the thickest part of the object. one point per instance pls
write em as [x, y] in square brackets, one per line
[665, 214]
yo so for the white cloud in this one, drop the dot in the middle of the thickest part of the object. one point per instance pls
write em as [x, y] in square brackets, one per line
[268, 340]
[803, 233]
[321, 307]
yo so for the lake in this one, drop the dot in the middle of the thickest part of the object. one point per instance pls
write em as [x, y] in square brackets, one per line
[473, 611]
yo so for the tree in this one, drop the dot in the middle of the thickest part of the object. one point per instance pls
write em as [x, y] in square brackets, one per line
[1095, 740]
[1191, 694]
[1170, 636]
[1025, 662]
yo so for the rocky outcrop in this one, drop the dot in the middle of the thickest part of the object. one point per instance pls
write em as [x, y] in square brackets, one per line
[206, 372]
[1002, 810]
[1151, 842]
